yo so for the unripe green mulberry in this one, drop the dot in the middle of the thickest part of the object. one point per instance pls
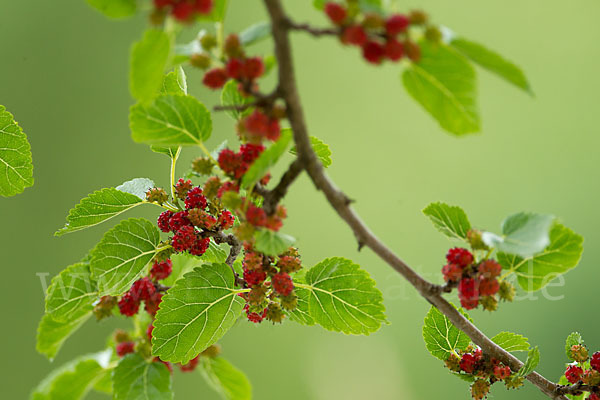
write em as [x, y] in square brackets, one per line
[513, 382]
[453, 363]
[433, 34]
[579, 353]
[212, 351]
[506, 291]
[208, 42]
[257, 295]
[105, 306]
[203, 165]
[157, 195]
[475, 240]
[489, 303]
[480, 389]
[591, 377]
[275, 313]
[289, 302]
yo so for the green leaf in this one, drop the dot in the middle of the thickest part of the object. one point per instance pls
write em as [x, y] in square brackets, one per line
[104, 204]
[195, 313]
[267, 159]
[301, 313]
[452, 221]
[493, 62]
[52, 334]
[71, 293]
[563, 254]
[272, 243]
[343, 297]
[75, 379]
[227, 380]
[115, 8]
[511, 341]
[170, 120]
[441, 337]
[137, 379]
[524, 234]
[533, 359]
[122, 255]
[255, 33]
[573, 339]
[149, 59]
[175, 82]
[16, 167]
[231, 96]
[321, 150]
[444, 83]
[171, 152]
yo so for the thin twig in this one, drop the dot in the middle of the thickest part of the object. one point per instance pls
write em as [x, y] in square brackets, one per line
[340, 202]
[235, 247]
[311, 29]
[274, 196]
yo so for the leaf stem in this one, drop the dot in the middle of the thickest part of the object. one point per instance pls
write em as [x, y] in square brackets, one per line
[173, 165]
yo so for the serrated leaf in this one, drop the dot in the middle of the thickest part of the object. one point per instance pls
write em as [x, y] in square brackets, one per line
[444, 83]
[225, 379]
[573, 339]
[465, 377]
[195, 313]
[137, 187]
[231, 96]
[171, 152]
[100, 206]
[175, 82]
[255, 33]
[115, 8]
[441, 337]
[267, 159]
[511, 341]
[452, 221]
[524, 234]
[134, 378]
[52, 334]
[343, 297]
[184, 263]
[321, 150]
[148, 61]
[122, 255]
[72, 381]
[563, 254]
[493, 62]
[170, 120]
[16, 167]
[533, 359]
[71, 293]
[301, 313]
[272, 243]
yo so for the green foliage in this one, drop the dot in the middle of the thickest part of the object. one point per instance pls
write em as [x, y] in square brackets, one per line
[171, 152]
[255, 33]
[195, 313]
[562, 254]
[122, 255]
[267, 159]
[441, 337]
[170, 120]
[227, 380]
[301, 314]
[573, 339]
[450, 220]
[231, 96]
[149, 58]
[52, 334]
[342, 297]
[137, 379]
[102, 205]
[175, 82]
[272, 243]
[444, 83]
[137, 187]
[75, 379]
[16, 167]
[493, 62]
[115, 8]
[511, 341]
[321, 150]
[533, 359]
[522, 233]
[71, 293]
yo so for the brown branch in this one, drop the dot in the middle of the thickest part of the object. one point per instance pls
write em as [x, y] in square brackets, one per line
[312, 30]
[260, 99]
[274, 196]
[340, 202]
[235, 247]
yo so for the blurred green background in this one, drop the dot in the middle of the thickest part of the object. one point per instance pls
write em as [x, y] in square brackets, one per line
[63, 74]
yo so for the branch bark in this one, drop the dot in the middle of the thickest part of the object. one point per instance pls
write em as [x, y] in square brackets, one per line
[341, 203]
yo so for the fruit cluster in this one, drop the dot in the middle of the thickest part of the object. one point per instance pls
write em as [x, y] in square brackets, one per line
[271, 286]
[584, 370]
[484, 369]
[380, 38]
[477, 281]
[181, 10]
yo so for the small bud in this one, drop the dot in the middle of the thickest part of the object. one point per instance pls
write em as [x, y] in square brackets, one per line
[289, 302]
[514, 382]
[489, 303]
[480, 389]
[373, 21]
[231, 200]
[412, 50]
[591, 377]
[211, 187]
[121, 336]
[157, 17]
[233, 46]
[200, 60]
[275, 313]
[208, 42]
[164, 255]
[475, 240]
[453, 363]
[418, 17]
[144, 348]
[278, 111]
[257, 295]
[506, 291]
[433, 34]
[104, 307]
[244, 231]
[203, 165]
[579, 353]
[157, 195]
[211, 351]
